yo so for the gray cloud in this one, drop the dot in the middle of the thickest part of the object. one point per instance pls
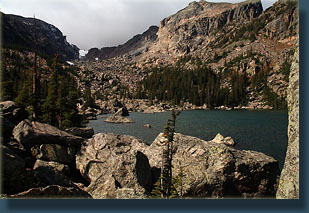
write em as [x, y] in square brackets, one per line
[98, 23]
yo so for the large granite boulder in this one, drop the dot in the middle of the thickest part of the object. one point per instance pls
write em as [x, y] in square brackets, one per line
[54, 152]
[216, 170]
[29, 134]
[289, 180]
[114, 166]
[52, 173]
[52, 192]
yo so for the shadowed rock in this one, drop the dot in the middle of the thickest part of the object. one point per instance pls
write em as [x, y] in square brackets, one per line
[29, 133]
[52, 192]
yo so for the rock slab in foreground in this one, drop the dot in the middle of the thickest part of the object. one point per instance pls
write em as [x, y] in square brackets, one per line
[52, 192]
[216, 170]
[29, 133]
[119, 166]
[114, 167]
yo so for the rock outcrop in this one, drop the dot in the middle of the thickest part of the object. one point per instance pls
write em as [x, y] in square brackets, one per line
[120, 117]
[118, 165]
[216, 170]
[185, 31]
[222, 140]
[289, 180]
[135, 46]
[114, 167]
[39, 156]
[29, 133]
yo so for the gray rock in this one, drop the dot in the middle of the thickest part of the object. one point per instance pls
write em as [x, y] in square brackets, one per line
[215, 170]
[113, 162]
[118, 119]
[29, 133]
[52, 192]
[222, 140]
[53, 152]
[289, 180]
[86, 132]
[52, 173]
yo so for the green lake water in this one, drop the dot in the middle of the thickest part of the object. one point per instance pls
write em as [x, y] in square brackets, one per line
[263, 131]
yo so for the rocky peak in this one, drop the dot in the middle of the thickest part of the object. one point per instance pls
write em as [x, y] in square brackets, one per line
[135, 46]
[198, 23]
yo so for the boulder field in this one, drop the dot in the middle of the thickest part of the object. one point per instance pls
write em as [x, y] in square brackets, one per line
[43, 161]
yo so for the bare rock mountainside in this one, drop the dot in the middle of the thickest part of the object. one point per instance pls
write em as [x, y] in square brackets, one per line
[228, 38]
[20, 32]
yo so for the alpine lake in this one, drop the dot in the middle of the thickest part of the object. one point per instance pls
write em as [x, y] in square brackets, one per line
[258, 130]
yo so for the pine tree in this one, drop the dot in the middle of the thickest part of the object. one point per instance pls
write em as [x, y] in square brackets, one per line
[167, 156]
[50, 106]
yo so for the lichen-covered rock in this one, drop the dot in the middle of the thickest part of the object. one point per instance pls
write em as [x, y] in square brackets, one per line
[52, 192]
[29, 133]
[216, 170]
[112, 163]
[289, 180]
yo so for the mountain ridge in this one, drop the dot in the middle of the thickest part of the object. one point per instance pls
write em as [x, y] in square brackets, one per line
[19, 32]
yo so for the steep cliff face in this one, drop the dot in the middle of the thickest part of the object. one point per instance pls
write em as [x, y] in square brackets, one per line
[289, 180]
[135, 46]
[197, 24]
[20, 32]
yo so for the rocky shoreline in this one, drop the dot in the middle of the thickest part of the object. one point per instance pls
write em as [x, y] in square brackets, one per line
[41, 161]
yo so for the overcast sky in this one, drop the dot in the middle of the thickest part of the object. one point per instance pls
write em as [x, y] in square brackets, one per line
[100, 23]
